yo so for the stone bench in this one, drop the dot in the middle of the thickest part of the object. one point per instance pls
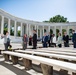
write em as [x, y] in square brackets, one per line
[56, 52]
[47, 64]
[46, 50]
[1, 50]
[60, 49]
[51, 55]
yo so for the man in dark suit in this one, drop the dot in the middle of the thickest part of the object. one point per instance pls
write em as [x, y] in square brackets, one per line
[34, 39]
[66, 40]
[74, 38]
[49, 39]
[45, 40]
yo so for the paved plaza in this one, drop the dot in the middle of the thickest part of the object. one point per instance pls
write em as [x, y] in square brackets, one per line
[6, 68]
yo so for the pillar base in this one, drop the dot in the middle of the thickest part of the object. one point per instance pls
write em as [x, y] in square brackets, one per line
[14, 59]
[6, 56]
[27, 64]
[47, 70]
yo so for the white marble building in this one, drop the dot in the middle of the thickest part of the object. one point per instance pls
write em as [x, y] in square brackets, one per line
[26, 26]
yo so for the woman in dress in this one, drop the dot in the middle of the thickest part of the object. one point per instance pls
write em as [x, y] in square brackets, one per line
[25, 40]
[59, 40]
[30, 40]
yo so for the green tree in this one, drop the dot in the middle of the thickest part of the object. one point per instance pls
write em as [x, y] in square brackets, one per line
[19, 32]
[5, 28]
[57, 19]
[51, 31]
[45, 21]
[63, 30]
[11, 32]
[57, 31]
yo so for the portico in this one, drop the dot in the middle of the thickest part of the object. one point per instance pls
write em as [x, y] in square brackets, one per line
[14, 25]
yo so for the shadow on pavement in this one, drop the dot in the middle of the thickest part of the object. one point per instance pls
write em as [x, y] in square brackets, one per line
[13, 69]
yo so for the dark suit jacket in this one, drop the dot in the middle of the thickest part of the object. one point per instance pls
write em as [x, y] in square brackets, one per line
[74, 37]
[66, 38]
[35, 39]
[49, 37]
[45, 39]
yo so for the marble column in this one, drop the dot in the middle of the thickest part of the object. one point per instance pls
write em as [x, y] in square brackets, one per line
[9, 26]
[40, 33]
[15, 29]
[27, 30]
[2, 25]
[43, 30]
[35, 27]
[68, 30]
[21, 30]
[61, 30]
[37, 31]
[48, 29]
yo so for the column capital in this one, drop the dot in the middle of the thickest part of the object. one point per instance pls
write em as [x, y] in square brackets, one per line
[2, 16]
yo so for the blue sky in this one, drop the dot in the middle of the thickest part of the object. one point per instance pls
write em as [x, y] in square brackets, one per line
[40, 10]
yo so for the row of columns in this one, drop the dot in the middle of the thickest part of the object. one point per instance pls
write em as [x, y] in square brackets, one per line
[28, 28]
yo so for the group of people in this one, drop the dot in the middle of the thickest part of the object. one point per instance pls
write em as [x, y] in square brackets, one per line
[32, 40]
[51, 40]
[47, 40]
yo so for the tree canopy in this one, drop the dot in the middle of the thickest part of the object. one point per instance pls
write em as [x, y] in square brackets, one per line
[57, 19]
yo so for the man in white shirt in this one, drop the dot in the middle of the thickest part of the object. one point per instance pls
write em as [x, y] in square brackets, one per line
[54, 40]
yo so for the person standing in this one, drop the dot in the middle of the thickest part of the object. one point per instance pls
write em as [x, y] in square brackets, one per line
[74, 39]
[49, 39]
[6, 40]
[45, 40]
[34, 40]
[54, 40]
[25, 40]
[30, 40]
[59, 40]
[66, 40]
